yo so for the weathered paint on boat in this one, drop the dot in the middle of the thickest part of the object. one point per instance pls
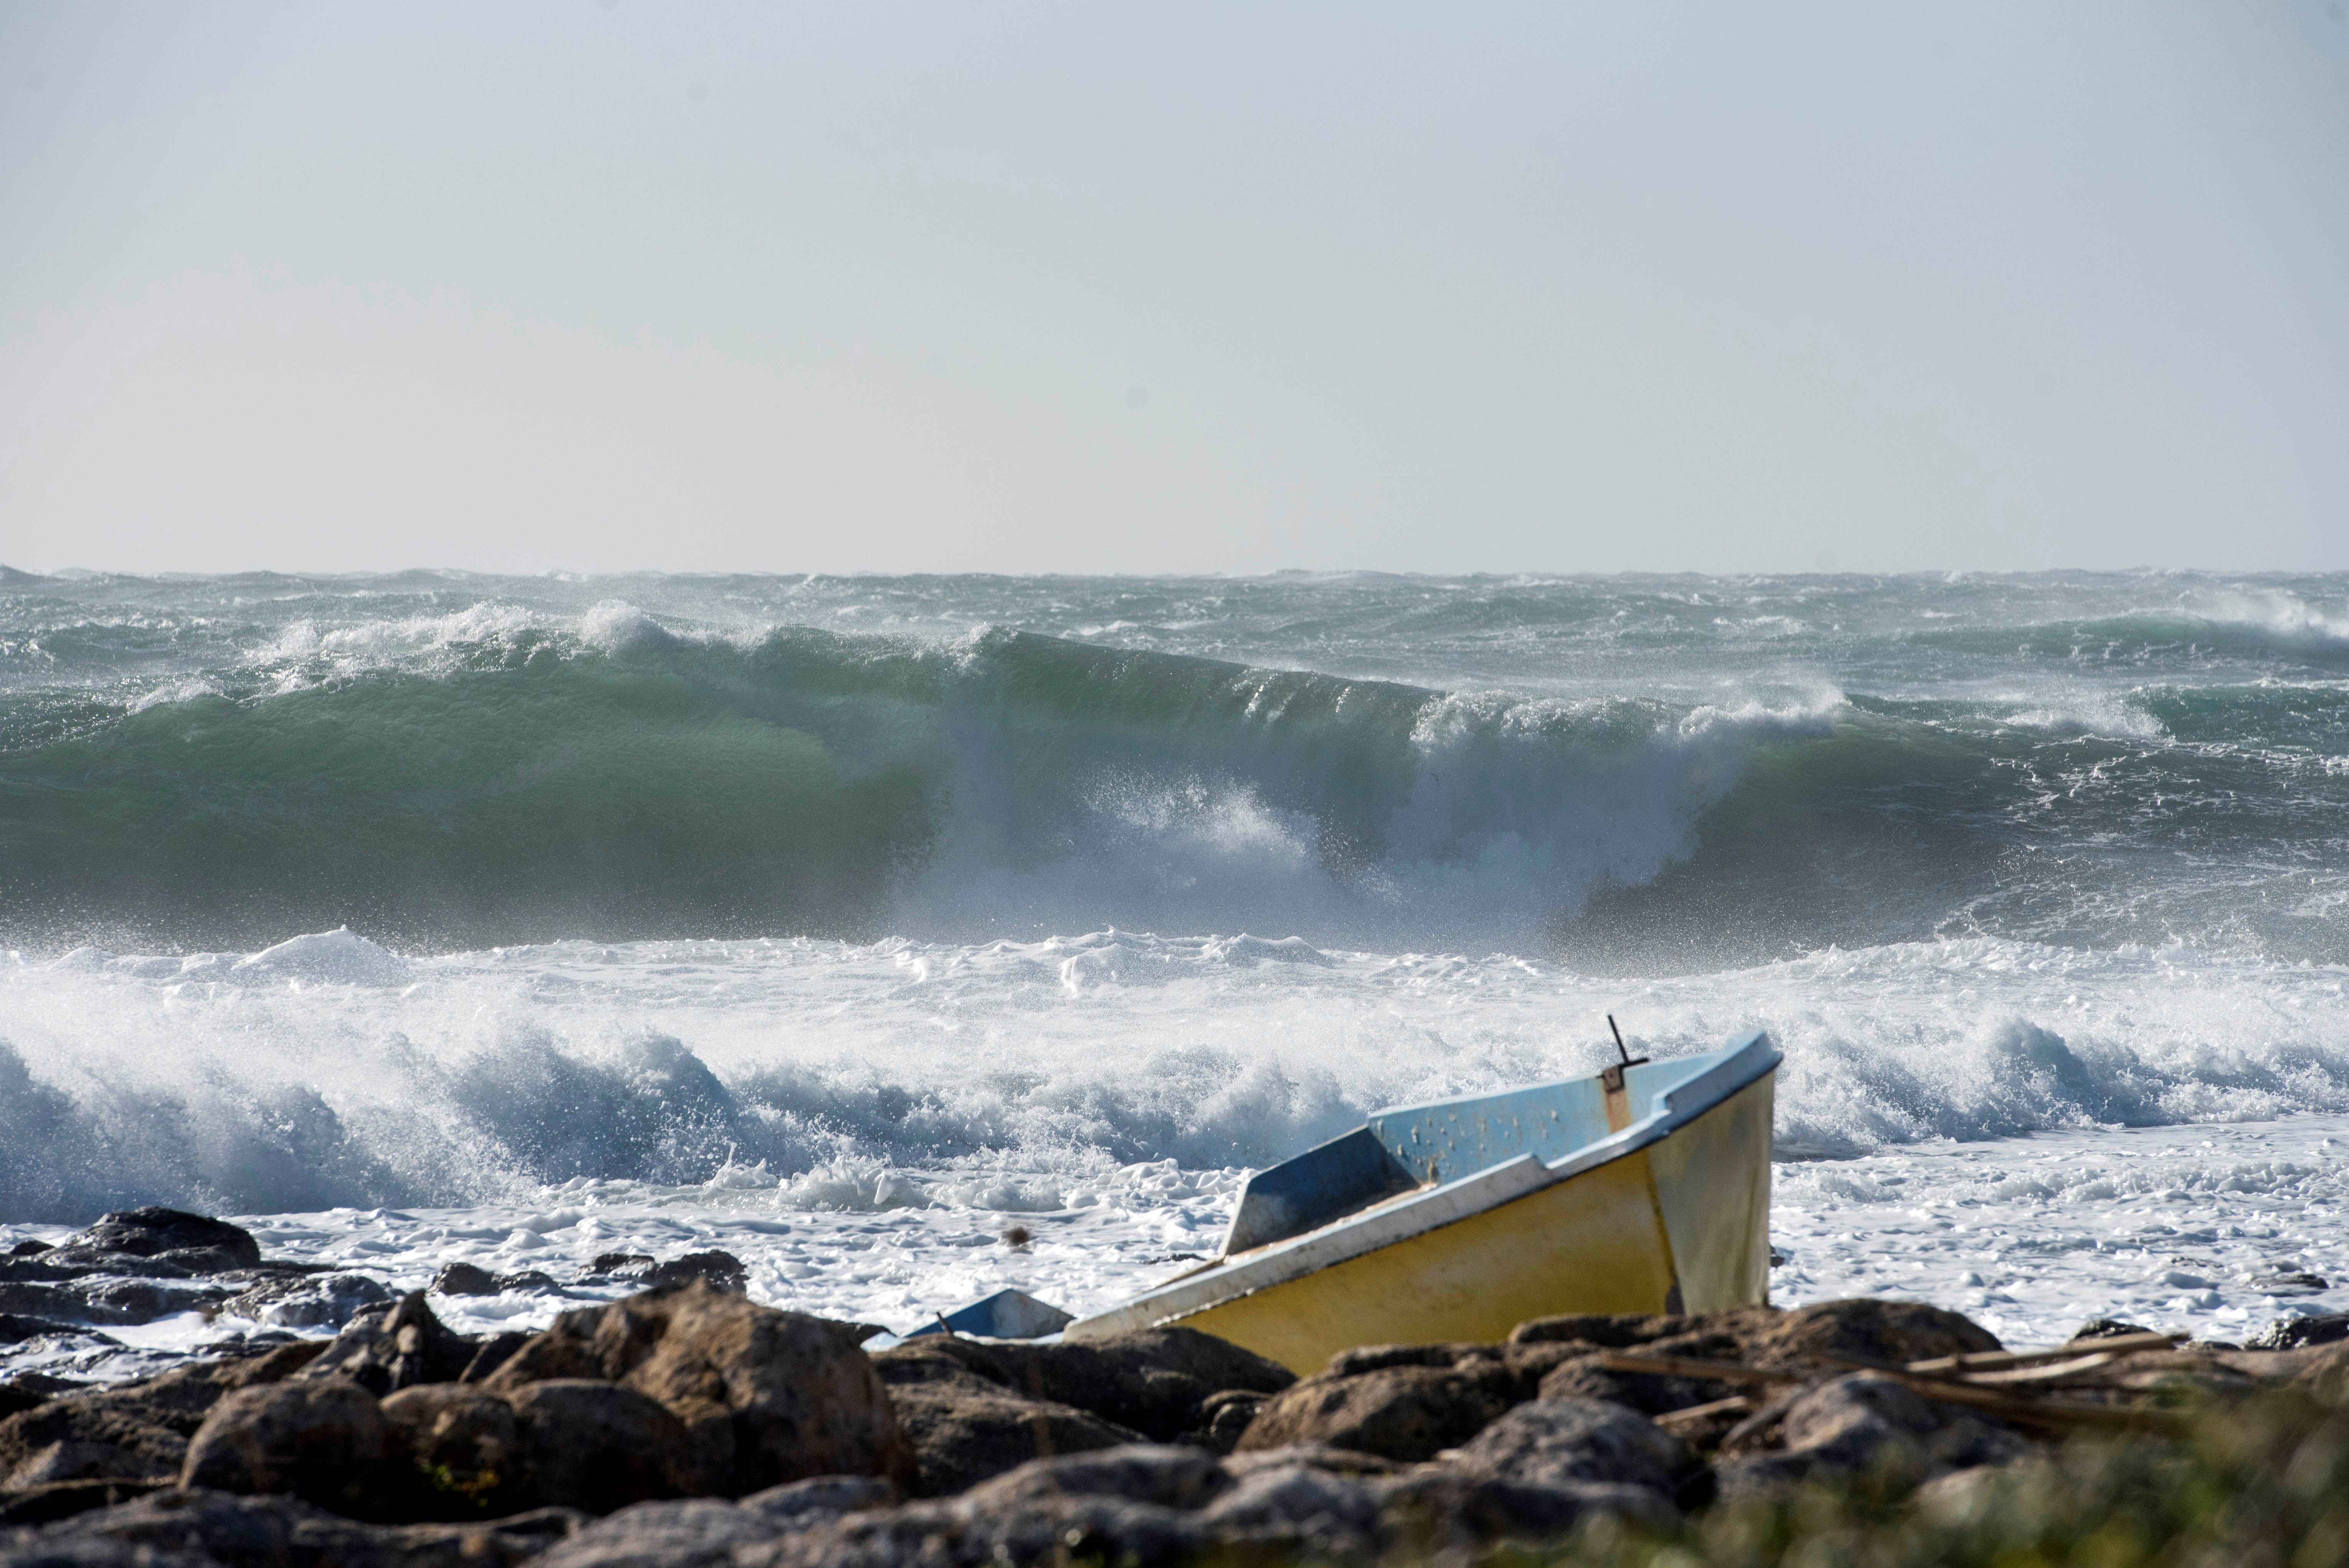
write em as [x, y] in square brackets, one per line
[1644, 1190]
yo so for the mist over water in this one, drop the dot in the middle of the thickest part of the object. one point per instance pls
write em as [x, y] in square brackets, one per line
[437, 890]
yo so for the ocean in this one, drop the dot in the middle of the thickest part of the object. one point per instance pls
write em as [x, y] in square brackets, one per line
[914, 936]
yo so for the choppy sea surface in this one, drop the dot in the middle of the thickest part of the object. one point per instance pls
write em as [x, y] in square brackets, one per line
[852, 924]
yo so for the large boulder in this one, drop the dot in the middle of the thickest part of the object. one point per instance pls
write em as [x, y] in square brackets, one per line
[461, 1449]
[597, 1446]
[1892, 1333]
[192, 1242]
[765, 1396]
[1550, 1442]
[962, 1427]
[324, 1439]
[1403, 1412]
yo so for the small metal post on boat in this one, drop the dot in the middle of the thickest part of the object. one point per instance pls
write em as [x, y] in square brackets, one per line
[1618, 1101]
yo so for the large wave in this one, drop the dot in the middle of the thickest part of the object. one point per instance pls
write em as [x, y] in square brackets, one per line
[621, 781]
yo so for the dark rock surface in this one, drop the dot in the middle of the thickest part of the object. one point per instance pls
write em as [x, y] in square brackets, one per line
[963, 1426]
[193, 1241]
[1403, 1412]
[201, 1529]
[384, 1351]
[320, 1439]
[2300, 1333]
[766, 1396]
[598, 1446]
[1857, 1424]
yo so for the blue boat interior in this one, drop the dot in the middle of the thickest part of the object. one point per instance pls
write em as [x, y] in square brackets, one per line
[1403, 1149]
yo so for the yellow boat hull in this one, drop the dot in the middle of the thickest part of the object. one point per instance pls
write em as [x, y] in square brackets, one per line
[1680, 1223]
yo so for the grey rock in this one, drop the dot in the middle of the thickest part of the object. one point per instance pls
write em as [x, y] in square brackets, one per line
[320, 1439]
[823, 1495]
[384, 1351]
[208, 1528]
[308, 1301]
[110, 1299]
[1549, 1442]
[1299, 1507]
[695, 1532]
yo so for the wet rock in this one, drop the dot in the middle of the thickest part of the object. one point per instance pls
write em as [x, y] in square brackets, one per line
[767, 1395]
[464, 1279]
[2301, 1333]
[202, 1528]
[192, 1241]
[460, 1448]
[27, 1389]
[399, 1348]
[29, 1248]
[15, 1329]
[723, 1270]
[963, 1426]
[1857, 1424]
[321, 1438]
[621, 1265]
[1550, 1442]
[597, 1446]
[308, 1301]
[2106, 1329]
[110, 1299]
[1403, 1412]
[471, 1279]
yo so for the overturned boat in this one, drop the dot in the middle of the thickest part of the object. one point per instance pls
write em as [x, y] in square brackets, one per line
[1645, 1189]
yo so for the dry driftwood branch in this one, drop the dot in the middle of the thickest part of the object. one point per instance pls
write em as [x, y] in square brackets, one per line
[1697, 1415]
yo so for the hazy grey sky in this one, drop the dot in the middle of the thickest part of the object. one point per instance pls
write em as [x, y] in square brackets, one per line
[1553, 287]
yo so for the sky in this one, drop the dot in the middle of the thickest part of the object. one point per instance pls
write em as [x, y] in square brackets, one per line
[1557, 287]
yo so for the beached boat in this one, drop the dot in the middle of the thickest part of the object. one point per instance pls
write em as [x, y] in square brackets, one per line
[1645, 1189]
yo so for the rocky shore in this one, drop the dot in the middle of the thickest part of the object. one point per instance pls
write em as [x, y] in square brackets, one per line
[688, 1425]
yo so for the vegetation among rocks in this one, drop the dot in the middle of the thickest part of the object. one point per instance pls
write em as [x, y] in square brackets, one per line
[688, 1425]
